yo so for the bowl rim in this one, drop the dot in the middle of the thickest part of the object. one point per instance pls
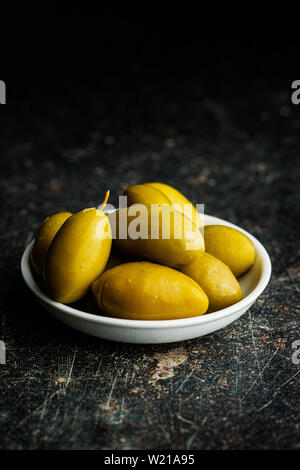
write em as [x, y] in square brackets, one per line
[153, 324]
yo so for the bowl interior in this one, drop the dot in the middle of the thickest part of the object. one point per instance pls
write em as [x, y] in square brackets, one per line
[250, 279]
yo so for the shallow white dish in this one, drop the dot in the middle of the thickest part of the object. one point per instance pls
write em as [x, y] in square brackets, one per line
[162, 331]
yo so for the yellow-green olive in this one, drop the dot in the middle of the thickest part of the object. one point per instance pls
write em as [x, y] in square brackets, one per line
[157, 233]
[230, 246]
[216, 279]
[148, 291]
[160, 193]
[43, 240]
[77, 255]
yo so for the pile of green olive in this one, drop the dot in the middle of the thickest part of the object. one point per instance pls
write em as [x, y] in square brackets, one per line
[149, 278]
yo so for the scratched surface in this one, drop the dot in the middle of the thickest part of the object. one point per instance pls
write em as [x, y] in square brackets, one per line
[235, 389]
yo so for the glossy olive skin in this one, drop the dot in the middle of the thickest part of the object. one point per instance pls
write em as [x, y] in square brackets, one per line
[148, 291]
[45, 235]
[230, 246]
[217, 281]
[160, 193]
[178, 240]
[77, 255]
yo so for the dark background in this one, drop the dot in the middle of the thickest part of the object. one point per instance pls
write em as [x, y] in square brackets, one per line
[106, 102]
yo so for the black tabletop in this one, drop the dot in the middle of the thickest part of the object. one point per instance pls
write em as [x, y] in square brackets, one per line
[221, 137]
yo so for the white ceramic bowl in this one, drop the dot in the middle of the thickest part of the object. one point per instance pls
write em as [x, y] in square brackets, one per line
[162, 331]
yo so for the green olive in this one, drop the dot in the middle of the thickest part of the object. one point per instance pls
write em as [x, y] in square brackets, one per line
[43, 240]
[78, 255]
[160, 193]
[147, 291]
[216, 279]
[157, 233]
[230, 246]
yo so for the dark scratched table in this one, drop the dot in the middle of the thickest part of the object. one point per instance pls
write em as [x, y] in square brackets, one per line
[234, 389]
